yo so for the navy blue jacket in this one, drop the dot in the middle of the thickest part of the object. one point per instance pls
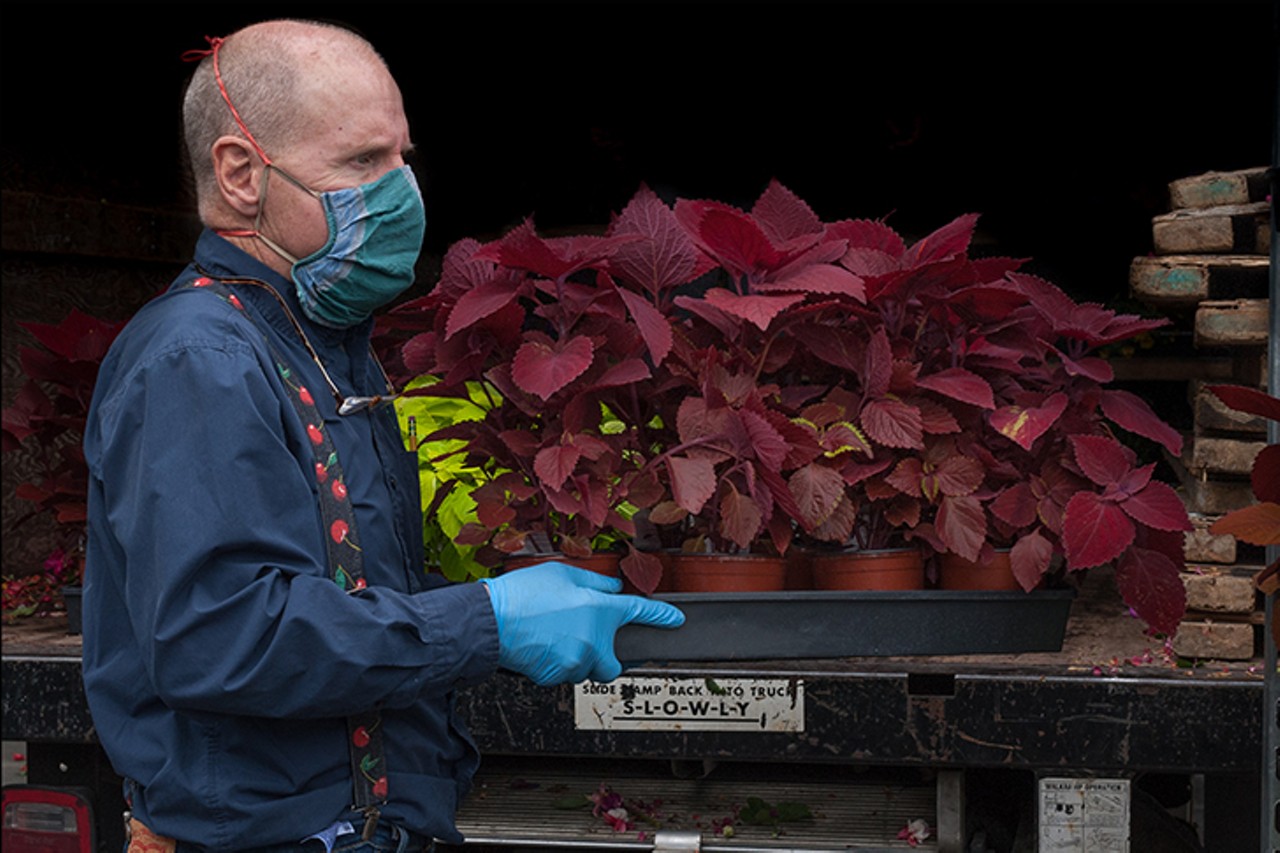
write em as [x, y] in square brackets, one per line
[220, 660]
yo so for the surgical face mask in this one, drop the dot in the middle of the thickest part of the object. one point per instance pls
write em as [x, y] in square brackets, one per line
[375, 235]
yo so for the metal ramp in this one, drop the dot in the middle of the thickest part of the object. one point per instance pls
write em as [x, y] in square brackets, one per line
[521, 807]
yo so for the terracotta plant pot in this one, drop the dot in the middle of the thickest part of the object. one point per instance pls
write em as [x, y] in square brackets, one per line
[602, 563]
[728, 573]
[955, 572]
[889, 569]
[799, 569]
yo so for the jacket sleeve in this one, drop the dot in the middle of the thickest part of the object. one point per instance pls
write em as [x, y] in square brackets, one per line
[214, 541]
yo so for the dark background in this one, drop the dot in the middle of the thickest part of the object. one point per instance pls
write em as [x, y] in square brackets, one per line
[1061, 124]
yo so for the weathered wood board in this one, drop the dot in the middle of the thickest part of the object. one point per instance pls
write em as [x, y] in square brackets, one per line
[1211, 455]
[1213, 639]
[1214, 189]
[1201, 546]
[1219, 590]
[1232, 323]
[1212, 416]
[1187, 279]
[1243, 229]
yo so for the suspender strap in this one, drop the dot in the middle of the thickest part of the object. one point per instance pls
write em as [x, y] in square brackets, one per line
[346, 562]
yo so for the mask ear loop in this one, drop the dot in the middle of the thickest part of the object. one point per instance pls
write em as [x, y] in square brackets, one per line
[196, 55]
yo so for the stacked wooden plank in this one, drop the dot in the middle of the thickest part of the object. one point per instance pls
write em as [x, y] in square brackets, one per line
[1210, 270]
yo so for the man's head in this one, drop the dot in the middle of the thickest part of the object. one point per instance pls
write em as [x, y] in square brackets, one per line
[316, 101]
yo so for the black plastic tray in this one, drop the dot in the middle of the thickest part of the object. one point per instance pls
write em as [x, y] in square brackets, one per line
[786, 625]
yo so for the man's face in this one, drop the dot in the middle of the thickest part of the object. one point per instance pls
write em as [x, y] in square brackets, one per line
[353, 131]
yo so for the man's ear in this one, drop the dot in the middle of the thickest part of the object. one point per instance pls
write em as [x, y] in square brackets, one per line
[237, 170]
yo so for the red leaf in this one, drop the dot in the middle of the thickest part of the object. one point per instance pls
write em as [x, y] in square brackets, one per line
[1097, 369]
[543, 369]
[553, 465]
[623, 373]
[962, 525]
[79, 337]
[879, 365]
[1023, 425]
[1016, 505]
[867, 234]
[820, 278]
[783, 215]
[1094, 531]
[419, 353]
[893, 423]
[759, 310]
[1248, 400]
[960, 384]
[642, 569]
[906, 477]
[666, 259]
[935, 418]
[693, 482]
[653, 326]
[1258, 524]
[1266, 474]
[1101, 459]
[766, 442]
[1132, 412]
[817, 490]
[730, 236]
[959, 475]
[951, 239]
[1030, 558]
[1151, 584]
[480, 302]
[1158, 506]
[740, 518]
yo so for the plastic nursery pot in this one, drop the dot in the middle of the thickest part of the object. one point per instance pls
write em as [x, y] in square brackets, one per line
[728, 573]
[799, 569]
[955, 572]
[602, 563]
[888, 569]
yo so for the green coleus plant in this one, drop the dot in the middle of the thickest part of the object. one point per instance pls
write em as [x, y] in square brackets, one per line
[446, 479]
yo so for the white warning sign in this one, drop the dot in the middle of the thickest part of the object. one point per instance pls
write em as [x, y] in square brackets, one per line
[1084, 815]
[691, 704]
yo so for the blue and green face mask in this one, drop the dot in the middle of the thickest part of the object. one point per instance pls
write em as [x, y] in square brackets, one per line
[375, 235]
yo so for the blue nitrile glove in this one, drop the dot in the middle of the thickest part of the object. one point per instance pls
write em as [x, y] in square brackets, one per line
[556, 622]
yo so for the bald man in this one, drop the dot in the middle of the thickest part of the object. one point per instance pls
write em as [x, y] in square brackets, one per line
[267, 663]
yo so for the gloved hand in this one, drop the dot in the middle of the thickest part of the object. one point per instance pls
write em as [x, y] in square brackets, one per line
[556, 622]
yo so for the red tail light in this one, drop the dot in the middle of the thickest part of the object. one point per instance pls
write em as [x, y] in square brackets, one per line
[47, 820]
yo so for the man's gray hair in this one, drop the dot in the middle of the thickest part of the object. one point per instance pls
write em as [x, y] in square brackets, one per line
[261, 67]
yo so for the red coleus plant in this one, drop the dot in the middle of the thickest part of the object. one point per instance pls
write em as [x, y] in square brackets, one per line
[50, 411]
[968, 403]
[1258, 524]
[568, 337]
[747, 375]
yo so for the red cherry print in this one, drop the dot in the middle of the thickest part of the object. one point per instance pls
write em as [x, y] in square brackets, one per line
[305, 395]
[234, 301]
[360, 584]
[322, 473]
[313, 432]
[339, 490]
[380, 788]
[360, 737]
[202, 282]
[338, 530]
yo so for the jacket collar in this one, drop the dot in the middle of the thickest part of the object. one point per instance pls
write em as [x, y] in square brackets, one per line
[218, 257]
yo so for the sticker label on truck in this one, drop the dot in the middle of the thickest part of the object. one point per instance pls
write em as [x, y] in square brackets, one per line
[691, 704]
